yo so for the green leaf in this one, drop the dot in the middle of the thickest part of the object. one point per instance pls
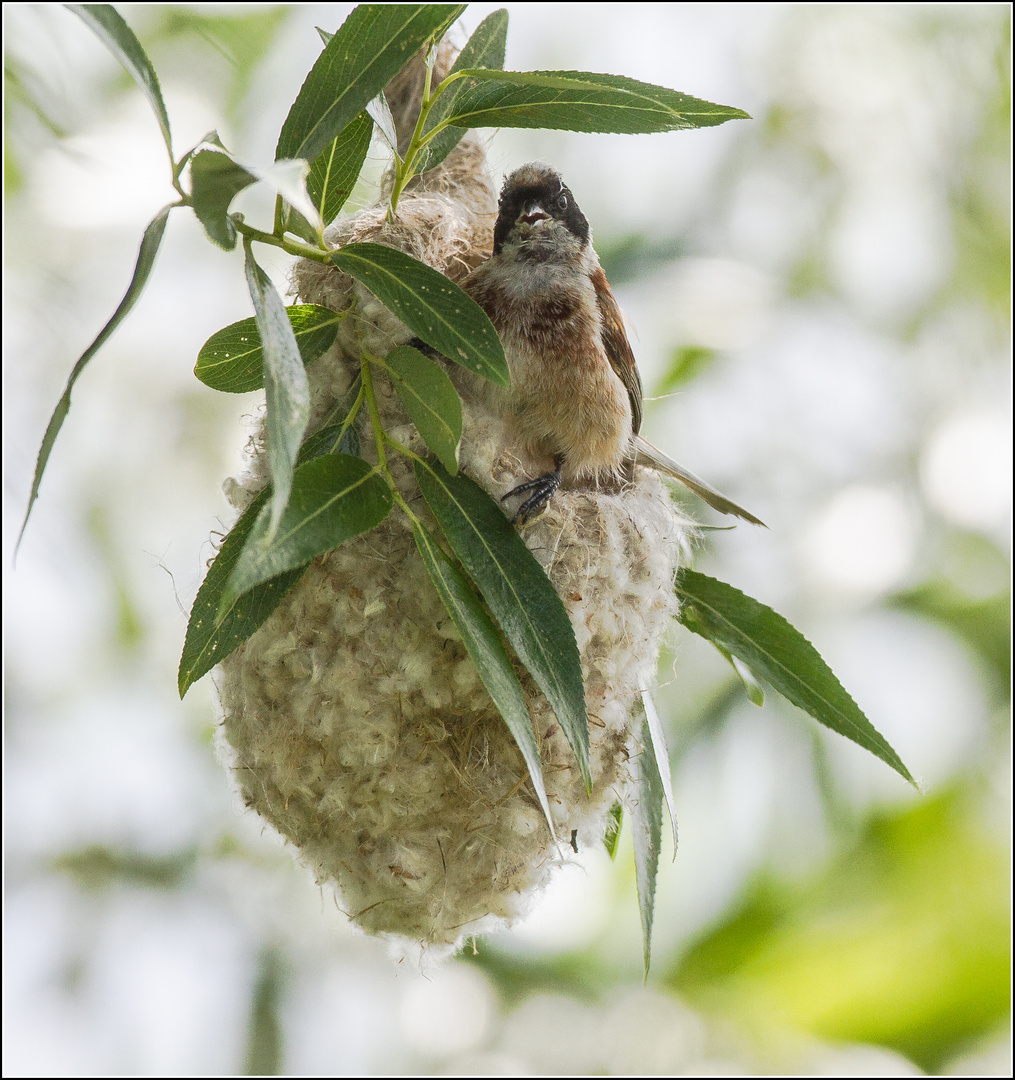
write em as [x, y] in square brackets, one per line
[334, 498]
[614, 823]
[370, 48]
[338, 435]
[334, 439]
[518, 592]
[214, 630]
[215, 179]
[334, 173]
[484, 645]
[485, 49]
[150, 243]
[647, 812]
[581, 101]
[662, 759]
[287, 393]
[430, 399]
[117, 36]
[230, 360]
[344, 434]
[213, 634]
[432, 306]
[779, 653]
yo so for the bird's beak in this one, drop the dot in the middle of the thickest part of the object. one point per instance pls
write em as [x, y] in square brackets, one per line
[531, 213]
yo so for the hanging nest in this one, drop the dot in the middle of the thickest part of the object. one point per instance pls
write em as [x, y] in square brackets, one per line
[356, 723]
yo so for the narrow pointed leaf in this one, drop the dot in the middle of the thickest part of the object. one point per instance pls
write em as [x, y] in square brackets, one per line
[662, 757]
[432, 306]
[369, 49]
[516, 589]
[333, 174]
[150, 243]
[780, 654]
[332, 177]
[215, 180]
[430, 399]
[647, 813]
[107, 23]
[214, 630]
[614, 823]
[230, 360]
[581, 101]
[287, 393]
[334, 498]
[485, 49]
[486, 649]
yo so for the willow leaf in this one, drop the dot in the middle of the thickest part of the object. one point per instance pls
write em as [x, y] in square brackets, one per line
[432, 306]
[150, 244]
[369, 49]
[486, 649]
[779, 653]
[519, 594]
[287, 393]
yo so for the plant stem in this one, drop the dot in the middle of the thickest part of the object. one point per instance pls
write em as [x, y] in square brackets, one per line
[405, 508]
[405, 170]
[375, 416]
[453, 77]
[292, 247]
[381, 437]
[396, 445]
[350, 416]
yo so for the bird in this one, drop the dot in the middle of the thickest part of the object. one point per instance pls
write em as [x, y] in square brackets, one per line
[575, 395]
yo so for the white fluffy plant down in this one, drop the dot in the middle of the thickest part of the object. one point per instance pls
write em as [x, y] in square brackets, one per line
[356, 724]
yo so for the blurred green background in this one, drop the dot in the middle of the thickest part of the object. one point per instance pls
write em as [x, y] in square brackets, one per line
[820, 300]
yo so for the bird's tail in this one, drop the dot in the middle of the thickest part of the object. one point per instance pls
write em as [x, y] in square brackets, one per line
[645, 453]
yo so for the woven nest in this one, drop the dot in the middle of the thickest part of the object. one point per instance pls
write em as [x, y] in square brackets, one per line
[356, 723]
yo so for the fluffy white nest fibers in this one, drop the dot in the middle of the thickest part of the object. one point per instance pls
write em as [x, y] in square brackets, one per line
[359, 727]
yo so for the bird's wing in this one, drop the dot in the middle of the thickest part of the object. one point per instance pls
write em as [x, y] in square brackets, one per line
[644, 453]
[618, 348]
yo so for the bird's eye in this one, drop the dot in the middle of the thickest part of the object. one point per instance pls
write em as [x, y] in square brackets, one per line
[562, 202]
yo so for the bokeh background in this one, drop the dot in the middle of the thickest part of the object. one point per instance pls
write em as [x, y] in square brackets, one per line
[821, 301]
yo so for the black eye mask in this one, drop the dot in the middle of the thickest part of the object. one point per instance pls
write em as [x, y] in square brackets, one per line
[549, 195]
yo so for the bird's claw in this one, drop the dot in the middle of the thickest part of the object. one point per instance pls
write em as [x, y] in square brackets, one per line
[542, 488]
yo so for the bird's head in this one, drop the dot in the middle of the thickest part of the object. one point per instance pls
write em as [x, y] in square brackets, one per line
[538, 216]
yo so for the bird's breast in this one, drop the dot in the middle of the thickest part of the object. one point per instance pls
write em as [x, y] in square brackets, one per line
[564, 396]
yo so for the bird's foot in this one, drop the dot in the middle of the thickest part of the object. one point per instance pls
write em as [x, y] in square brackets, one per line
[542, 489]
